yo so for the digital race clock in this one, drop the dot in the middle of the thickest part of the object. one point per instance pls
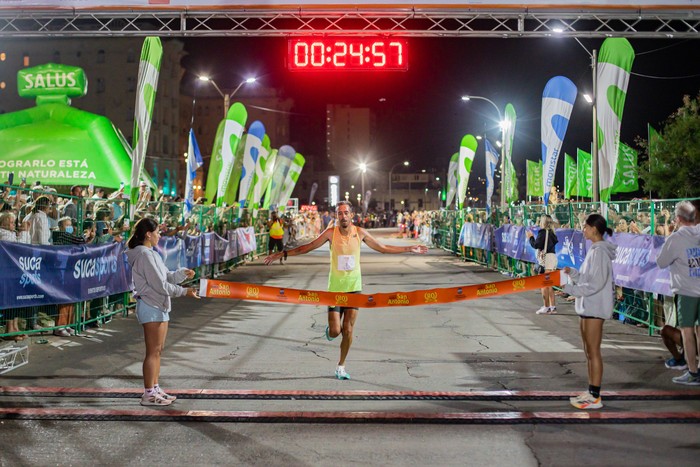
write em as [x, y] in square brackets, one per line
[346, 54]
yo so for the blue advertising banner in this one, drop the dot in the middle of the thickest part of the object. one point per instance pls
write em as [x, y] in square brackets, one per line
[218, 245]
[172, 250]
[476, 235]
[208, 248]
[635, 265]
[508, 239]
[571, 249]
[33, 275]
[193, 251]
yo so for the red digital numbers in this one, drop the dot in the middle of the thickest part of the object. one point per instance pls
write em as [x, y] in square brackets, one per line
[354, 54]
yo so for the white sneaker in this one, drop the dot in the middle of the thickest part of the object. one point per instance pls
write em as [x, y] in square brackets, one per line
[552, 310]
[340, 373]
[586, 401]
[542, 311]
[154, 399]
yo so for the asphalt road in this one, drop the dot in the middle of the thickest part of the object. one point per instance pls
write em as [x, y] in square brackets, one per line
[482, 345]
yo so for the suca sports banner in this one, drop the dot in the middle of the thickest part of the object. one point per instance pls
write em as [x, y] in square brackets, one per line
[508, 240]
[33, 275]
[614, 67]
[635, 263]
[467, 150]
[557, 103]
[475, 235]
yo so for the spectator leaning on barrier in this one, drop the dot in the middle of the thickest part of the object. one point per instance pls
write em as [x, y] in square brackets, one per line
[8, 234]
[681, 254]
[65, 234]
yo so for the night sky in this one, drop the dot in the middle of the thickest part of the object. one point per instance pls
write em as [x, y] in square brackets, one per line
[420, 116]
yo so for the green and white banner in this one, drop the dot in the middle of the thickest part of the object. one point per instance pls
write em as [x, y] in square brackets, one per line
[291, 181]
[570, 177]
[285, 157]
[230, 196]
[147, 84]
[236, 118]
[215, 164]
[467, 150]
[253, 146]
[584, 164]
[452, 179]
[267, 178]
[614, 66]
[627, 174]
[511, 192]
[257, 188]
[535, 182]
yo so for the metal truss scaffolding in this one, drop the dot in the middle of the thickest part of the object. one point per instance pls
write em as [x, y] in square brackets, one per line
[504, 23]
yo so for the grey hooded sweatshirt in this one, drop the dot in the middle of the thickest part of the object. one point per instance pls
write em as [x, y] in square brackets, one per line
[593, 285]
[681, 254]
[153, 283]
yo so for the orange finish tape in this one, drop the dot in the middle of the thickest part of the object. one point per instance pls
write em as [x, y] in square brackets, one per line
[223, 289]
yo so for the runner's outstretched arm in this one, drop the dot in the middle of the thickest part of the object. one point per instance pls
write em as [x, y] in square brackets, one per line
[390, 249]
[302, 249]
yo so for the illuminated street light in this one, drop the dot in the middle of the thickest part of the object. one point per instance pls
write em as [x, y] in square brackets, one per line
[227, 97]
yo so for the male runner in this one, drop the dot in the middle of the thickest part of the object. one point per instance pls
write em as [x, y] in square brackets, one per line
[345, 275]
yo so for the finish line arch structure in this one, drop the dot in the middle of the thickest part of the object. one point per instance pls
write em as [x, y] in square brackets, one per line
[672, 19]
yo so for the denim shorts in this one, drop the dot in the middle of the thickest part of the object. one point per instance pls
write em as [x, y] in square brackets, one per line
[146, 313]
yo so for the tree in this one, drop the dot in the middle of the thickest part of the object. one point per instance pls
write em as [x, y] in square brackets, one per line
[672, 168]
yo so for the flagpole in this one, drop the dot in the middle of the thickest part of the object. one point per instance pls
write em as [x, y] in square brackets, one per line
[594, 155]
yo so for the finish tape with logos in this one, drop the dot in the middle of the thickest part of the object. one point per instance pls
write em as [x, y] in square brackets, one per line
[236, 290]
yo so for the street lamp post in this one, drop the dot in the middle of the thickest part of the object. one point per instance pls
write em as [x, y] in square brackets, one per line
[363, 170]
[405, 163]
[227, 97]
[502, 124]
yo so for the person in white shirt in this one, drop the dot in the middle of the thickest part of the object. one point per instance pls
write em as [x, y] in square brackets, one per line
[39, 223]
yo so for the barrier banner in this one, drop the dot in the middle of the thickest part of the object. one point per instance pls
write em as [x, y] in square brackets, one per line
[508, 239]
[571, 248]
[218, 245]
[476, 236]
[207, 249]
[245, 240]
[172, 250]
[33, 275]
[231, 246]
[635, 264]
[235, 290]
[193, 251]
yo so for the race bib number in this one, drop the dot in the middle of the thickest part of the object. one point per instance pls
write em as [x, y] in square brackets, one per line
[346, 262]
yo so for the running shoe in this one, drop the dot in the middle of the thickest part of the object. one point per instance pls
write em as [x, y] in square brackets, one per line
[688, 378]
[586, 401]
[154, 399]
[552, 310]
[542, 311]
[328, 335]
[340, 373]
[674, 364]
[165, 395]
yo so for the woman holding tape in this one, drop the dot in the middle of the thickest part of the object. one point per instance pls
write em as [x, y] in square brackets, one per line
[593, 289]
[153, 287]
